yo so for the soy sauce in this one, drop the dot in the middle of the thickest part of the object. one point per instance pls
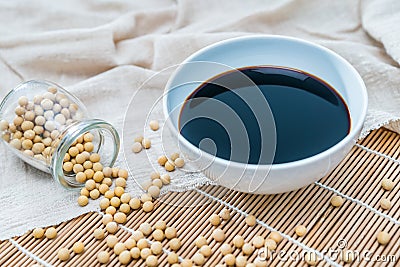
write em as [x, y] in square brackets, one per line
[263, 115]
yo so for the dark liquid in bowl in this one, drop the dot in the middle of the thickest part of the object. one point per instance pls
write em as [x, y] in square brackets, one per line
[236, 118]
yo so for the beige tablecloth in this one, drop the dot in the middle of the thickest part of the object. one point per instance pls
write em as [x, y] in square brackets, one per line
[103, 51]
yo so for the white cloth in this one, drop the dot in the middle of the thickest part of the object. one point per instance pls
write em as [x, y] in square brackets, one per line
[102, 51]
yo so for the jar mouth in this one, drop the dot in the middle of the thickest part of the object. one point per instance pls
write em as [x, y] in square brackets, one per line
[69, 137]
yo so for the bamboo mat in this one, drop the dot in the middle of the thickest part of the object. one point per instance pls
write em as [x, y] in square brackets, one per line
[357, 221]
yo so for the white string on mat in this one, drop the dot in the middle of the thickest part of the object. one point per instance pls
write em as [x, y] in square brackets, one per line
[44, 263]
[378, 153]
[29, 254]
[166, 251]
[301, 245]
[390, 218]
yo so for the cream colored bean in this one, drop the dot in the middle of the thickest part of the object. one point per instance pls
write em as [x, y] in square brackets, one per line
[270, 244]
[38, 233]
[107, 171]
[225, 214]
[23, 101]
[337, 201]
[4, 125]
[115, 202]
[111, 210]
[170, 232]
[206, 251]
[27, 125]
[387, 184]
[144, 253]
[250, 220]
[109, 194]
[134, 203]
[241, 261]
[107, 218]
[148, 206]
[119, 191]
[130, 243]
[218, 235]
[258, 241]
[154, 175]
[169, 166]
[201, 241]
[151, 261]
[98, 234]
[137, 147]
[120, 182]
[30, 116]
[158, 183]
[154, 125]
[63, 254]
[146, 143]
[162, 160]
[383, 238]
[238, 241]
[247, 249]
[30, 134]
[80, 177]
[172, 258]
[174, 156]
[300, 230]
[137, 235]
[119, 248]
[135, 253]
[120, 217]
[78, 247]
[156, 248]
[385, 204]
[158, 235]
[160, 225]
[111, 241]
[166, 179]
[16, 143]
[179, 162]
[88, 147]
[51, 233]
[154, 191]
[19, 111]
[187, 263]
[112, 227]
[229, 259]
[90, 185]
[85, 192]
[145, 228]
[215, 220]
[107, 181]
[311, 258]
[175, 244]
[103, 188]
[125, 208]
[124, 257]
[276, 237]
[103, 257]
[83, 201]
[225, 249]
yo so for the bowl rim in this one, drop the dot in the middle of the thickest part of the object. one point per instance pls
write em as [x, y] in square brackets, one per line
[354, 130]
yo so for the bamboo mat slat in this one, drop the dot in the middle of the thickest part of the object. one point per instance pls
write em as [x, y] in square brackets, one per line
[358, 177]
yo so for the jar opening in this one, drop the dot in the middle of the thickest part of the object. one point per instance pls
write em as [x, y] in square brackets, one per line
[105, 142]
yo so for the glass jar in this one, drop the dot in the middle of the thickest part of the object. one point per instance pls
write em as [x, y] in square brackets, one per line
[40, 121]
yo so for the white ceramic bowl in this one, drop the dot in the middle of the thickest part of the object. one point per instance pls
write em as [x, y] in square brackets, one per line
[276, 51]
